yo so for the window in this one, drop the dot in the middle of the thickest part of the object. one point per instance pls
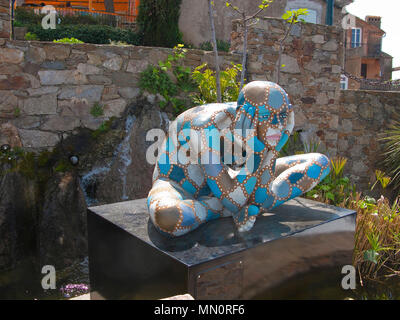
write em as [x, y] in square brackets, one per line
[311, 17]
[364, 70]
[355, 37]
[344, 82]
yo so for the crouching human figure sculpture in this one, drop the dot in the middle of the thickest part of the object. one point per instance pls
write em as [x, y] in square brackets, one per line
[221, 160]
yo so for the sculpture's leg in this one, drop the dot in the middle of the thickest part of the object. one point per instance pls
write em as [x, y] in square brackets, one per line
[175, 212]
[295, 175]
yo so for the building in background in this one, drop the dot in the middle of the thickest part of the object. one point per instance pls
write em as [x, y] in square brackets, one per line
[194, 21]
[364, 58]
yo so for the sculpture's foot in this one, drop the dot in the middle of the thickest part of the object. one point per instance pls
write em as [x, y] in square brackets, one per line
[248, 225]
[246, 217]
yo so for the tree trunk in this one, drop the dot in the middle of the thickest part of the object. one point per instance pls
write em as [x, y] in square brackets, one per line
[244, 60]
[214, 43]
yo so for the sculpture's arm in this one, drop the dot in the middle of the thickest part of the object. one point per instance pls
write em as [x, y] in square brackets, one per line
[233, 189]
[287, 130]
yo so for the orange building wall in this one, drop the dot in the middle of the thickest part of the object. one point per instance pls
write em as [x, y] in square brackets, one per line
[120, 6]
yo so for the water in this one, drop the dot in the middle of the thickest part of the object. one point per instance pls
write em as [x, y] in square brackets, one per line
[24, 282]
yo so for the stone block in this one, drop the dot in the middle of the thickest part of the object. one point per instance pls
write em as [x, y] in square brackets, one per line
[89, 93]
[38, 139]
[10, 55]
[130, 259]
[114, 108]
[46, 104]
[57, 77]
[60, 123]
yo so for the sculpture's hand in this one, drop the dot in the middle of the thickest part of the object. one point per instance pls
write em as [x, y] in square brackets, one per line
[287, 131]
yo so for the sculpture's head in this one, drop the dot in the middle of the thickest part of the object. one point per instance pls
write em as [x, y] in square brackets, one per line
[267, 105]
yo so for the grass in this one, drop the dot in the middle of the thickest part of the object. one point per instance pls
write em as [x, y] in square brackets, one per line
[97, 110]
[377, 237]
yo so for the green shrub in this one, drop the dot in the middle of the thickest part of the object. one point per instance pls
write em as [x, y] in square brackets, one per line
[31, 37]
[68, 40]
[221, 46]
[158, 22]
[207, 84]
[155, 80]
[26, 16]
[98, 34]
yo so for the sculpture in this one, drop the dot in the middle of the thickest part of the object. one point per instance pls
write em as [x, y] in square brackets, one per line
[221, 160]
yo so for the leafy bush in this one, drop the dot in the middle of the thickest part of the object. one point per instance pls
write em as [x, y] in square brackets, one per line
[26, 16]
[98, 34]
[207, 88]
[221, 46]
[158, 22]
[68, 40]
[29, 36]
[155, 80]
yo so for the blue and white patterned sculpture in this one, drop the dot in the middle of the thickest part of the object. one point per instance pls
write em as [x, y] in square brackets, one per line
[221, 160]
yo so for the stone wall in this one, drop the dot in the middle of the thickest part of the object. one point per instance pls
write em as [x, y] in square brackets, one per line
[4, 19]
[364, 116]
[47, 90]
[311, 74]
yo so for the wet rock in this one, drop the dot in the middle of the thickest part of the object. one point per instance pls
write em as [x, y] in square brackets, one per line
[130, 174]
[17, 219]
[62, 233]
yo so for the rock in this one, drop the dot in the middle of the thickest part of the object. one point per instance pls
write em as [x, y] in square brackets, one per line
[99, 79]
[291, 65]
[56, 77]
[42, 91]
[8, 104]
[88, 69]
[318, 39]
[62, 231]
[57, 52]
[366, 111]
[17, 219]
[9, 55]
[53, 65]
[38, 139]
[14, 82]
[27, 122]
[35, 55]
[331, 45]
[90, 93]
[114, 63]
[129, 92]
[9, 135]
[137, 66]
[6, 68]
[46, 104]
[124, 181]
[114, 108]
[60, 123]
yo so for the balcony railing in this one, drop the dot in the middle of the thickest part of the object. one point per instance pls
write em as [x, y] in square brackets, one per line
[363, 50]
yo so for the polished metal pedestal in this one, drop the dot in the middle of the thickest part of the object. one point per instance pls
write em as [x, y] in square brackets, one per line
[129, 259]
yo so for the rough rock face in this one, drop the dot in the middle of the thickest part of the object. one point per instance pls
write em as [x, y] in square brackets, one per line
[62, 235]
[17, 219]
[47, 227]
[130, 174]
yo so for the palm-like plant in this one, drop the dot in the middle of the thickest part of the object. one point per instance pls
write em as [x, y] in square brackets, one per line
[391, 154]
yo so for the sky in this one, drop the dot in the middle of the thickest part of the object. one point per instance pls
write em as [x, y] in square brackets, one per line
[388, 10]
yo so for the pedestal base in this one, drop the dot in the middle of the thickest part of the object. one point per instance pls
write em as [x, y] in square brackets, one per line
[129, 259]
